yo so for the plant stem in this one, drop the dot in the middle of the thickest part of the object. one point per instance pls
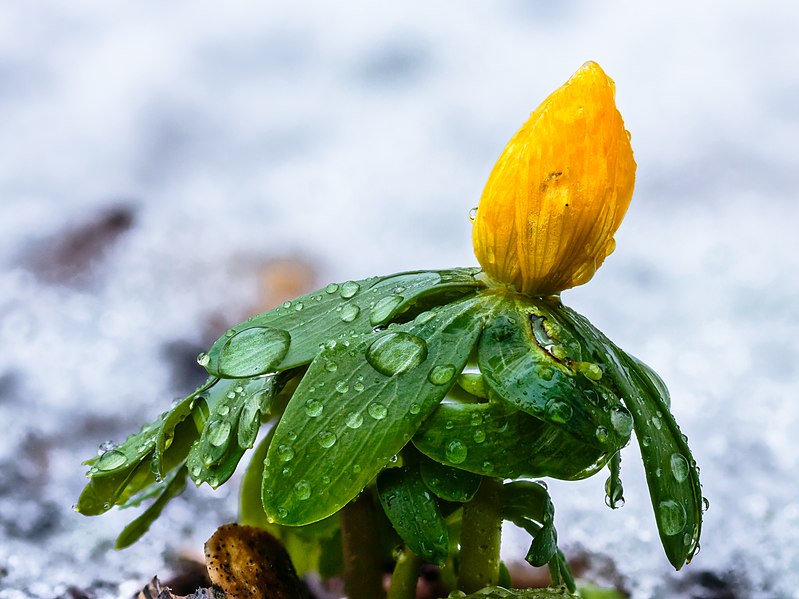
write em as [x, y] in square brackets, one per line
[406, 575]
[363, 561]
[481, 532]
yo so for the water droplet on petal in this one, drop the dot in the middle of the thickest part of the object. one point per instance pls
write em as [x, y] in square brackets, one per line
[253, 351]
[383, 309]
[672, 517]
[377, 410]
[354, 420]
[349, 289]
[456, 451]
[473, 214]
[395, 353]
[350, 312]
[679, 467]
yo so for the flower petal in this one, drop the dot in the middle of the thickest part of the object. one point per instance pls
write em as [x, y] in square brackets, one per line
[559, 190]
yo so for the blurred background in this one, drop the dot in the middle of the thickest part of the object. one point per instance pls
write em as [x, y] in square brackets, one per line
[167, 169]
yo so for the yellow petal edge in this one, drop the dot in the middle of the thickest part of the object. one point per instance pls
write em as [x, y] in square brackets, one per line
[559, 191]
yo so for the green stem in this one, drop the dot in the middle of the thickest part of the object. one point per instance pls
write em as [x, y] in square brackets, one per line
[363, 556]
[481, 532]
[406, 576]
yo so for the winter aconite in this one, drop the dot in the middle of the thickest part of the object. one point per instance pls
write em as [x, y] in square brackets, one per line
[402, 418]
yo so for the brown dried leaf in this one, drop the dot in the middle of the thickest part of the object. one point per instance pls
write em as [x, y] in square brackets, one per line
[249, 563]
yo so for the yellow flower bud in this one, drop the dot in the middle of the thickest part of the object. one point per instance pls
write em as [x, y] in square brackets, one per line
[559, 190]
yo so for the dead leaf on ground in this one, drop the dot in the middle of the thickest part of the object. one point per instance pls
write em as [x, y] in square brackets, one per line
[249, 563]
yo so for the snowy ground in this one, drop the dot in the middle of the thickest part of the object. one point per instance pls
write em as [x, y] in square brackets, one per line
[357, 137]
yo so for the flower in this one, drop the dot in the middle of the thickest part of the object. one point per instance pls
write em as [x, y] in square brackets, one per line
[559, 190]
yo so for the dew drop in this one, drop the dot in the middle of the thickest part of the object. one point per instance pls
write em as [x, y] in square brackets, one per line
[476, 419]
[224, 409]
[218, 433]
[331, 366]
[473, 214]
[456, 451]
[705, 504]
[672, 517]
[559, 411]
[622, 422]
[327, 439]
[358, 387]
[601, 434]
[203, 359]
[299, 306]
[479, 436]
[313, 408]
[441, 375]
[349, 289]
[679, 467]
[253, 351]
[657, 422]
[356, 468]
[350, 312]
[377, 410]
[195, 472]
[342, 386]
[646, 441]
[354, 420]
[285, 453]
[332, 288]
[110, 460]
[415, 408]
[383, 309]
[302, 490]
[487, 467]
[282, 512]
[395, 353]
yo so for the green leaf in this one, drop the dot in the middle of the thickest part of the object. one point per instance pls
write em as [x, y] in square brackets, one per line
[501, 593]
[225, 438]
[292, 334]
[671, 472]
[171, 487]
[493, 439]
[414, 513]
[358, 405]
[450, 484]
[528, 505]
[534, 363]
[614, 491]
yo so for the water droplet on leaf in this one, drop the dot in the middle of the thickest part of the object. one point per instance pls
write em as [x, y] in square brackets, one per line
[327, 439]
[111, 460]
[203, 359]
[253, 351]
[285, 453]
[559, 411]
[679, 467]
[354, 420]
[395, 353]
[302, 490]
[622, 422]
[218, 432]
[672, 517]
[350, 312]
[349, 289]
[383, 308]
[332, 288]
[313, 408]
[456, 451]
[377, 410]
[342, 386]
[441, 375]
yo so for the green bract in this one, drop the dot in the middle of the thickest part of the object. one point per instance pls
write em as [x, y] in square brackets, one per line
[413, 388]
